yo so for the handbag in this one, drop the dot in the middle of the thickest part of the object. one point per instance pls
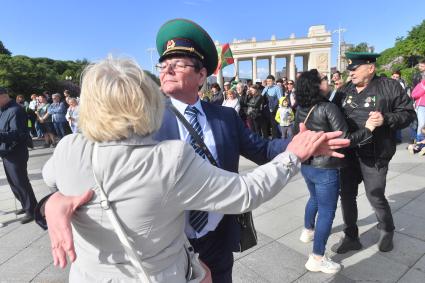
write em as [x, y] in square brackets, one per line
[196, 273]
[248, 234]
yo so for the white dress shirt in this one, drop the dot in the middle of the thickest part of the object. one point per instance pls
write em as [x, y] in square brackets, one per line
[214, 218]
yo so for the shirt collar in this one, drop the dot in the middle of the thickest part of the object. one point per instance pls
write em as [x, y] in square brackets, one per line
[181, 106]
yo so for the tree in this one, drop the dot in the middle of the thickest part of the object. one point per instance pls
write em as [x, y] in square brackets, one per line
[410, 49]
[361, 47]
[4, 50]
[25, 75]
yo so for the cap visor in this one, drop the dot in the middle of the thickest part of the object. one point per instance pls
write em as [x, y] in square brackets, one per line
[352, 67]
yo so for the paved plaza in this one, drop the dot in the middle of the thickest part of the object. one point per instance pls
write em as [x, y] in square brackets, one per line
[279, 256]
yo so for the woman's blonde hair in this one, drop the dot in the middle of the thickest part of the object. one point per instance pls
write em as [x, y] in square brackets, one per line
[117, 100]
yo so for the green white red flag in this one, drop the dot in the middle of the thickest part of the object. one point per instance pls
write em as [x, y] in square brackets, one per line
[225, 57]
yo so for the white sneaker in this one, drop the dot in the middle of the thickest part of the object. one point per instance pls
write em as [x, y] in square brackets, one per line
[307, 235]
[325, 265]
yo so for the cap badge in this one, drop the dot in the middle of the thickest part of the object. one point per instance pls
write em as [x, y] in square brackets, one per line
[171, 44]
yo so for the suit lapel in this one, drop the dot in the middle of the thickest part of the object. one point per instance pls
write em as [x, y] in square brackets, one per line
[216, 128]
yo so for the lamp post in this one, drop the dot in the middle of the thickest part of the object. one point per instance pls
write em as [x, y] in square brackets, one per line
[151, 50]
[339, 31]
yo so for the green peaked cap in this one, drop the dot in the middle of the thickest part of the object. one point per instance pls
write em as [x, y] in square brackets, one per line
[356, 59]
[184, 37]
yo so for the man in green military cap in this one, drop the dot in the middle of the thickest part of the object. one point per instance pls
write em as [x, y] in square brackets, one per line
[389, 107]
[187, 56]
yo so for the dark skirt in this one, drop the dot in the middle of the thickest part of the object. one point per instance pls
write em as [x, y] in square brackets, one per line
[47, 128]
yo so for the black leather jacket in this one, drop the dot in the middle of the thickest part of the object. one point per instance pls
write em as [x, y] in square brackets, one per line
[327, 117]
[254, 104]
[396, 107]
[217, 98]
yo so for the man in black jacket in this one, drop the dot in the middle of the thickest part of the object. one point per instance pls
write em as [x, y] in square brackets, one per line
[14, 153]
[389, 107]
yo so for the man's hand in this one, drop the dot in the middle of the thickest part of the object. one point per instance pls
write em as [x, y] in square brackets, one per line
[308, 143]
[376, 118]
[59, 210]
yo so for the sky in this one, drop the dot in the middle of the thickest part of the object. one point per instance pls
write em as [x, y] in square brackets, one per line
[91, 29]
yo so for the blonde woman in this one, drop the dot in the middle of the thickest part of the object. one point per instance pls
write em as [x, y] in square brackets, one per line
[72, 114]
[231, 100]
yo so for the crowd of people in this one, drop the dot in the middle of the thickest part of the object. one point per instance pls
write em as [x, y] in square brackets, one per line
[142, 153]
[50, 117]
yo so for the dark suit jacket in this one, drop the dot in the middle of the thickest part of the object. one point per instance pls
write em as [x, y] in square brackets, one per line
[232, 139]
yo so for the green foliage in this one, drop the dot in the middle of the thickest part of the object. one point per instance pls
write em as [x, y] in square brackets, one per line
[411, 46]
[3, 50]
[25, 75]
[361, 47]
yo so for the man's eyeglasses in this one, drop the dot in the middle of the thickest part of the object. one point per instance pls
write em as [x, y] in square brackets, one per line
[175, 66]
[290, 83]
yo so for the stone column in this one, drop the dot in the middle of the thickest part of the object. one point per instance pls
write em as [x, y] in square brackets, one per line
[292, 67]
[254, 69]
[273, 65]
[236, 65]
[305, 62]
[310, 61]
[287, 67]
[329, 64]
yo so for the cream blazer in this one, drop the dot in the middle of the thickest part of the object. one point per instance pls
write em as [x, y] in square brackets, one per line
[150, 185]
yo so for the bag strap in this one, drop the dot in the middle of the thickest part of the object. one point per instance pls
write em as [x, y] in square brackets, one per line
[308, 114]
[200, 142]
[116, 224]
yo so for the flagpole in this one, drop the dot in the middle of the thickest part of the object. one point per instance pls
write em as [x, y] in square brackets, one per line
[220, 78]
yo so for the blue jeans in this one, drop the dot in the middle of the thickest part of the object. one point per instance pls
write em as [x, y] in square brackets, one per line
[60, 129]
[420, 111]
[323, 185]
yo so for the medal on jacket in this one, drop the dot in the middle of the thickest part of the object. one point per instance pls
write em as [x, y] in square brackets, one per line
[368, 101]
[348, 100]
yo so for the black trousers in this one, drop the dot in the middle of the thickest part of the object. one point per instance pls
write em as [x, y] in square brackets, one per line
[214, 252]
[15, 167]
[374, 178]
[274, 125]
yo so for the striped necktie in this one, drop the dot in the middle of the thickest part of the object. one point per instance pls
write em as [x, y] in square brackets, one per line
[197, 219]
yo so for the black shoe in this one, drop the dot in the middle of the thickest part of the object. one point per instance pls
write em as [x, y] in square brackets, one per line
[27, 219]
[20, 211]
[348, 244]
[385, 243]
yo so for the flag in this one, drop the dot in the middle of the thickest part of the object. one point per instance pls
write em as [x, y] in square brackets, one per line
[225, 57]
